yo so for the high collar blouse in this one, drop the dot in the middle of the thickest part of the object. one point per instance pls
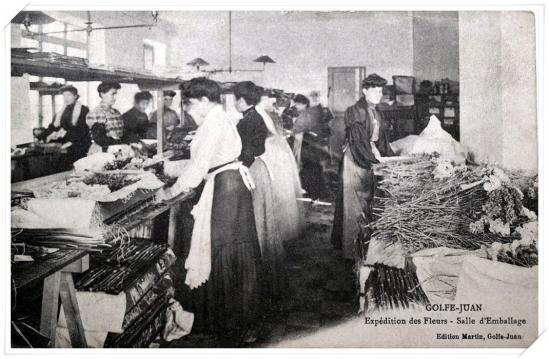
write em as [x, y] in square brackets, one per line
[216, 143]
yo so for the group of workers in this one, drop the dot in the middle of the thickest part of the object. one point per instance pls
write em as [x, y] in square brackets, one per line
[248, 179]
[85, 132]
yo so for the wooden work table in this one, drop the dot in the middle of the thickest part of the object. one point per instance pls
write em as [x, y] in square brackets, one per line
[55, 269]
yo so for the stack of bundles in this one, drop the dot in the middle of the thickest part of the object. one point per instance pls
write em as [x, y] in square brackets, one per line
[393, 288]
[145, 319]
[69, 223]
[63, 238]
[56, 58]
[146, 328]
[429, 202]
[141, 273]
[122, 268]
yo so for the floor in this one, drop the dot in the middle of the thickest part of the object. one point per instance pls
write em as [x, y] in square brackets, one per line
[322, 289]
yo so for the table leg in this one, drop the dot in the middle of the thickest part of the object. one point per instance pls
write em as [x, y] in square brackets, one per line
[50, 305]
[72, 312]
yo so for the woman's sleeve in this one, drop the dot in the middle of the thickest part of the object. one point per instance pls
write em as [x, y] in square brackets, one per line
[384, 144]
[82, 129]
[198, 166]
[302, 123]
[359, 144]
[100, 137]
[255, 144]
[48, 131]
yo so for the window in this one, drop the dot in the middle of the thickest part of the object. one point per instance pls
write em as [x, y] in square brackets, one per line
[148, 56]
[154, 55]
[60, 41]
[57, 38]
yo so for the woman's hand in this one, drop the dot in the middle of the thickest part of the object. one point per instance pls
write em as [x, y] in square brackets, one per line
[375, 151]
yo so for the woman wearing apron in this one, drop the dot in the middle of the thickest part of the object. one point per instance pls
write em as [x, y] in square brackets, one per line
[223, 260]
[366, 143]
[253, 132]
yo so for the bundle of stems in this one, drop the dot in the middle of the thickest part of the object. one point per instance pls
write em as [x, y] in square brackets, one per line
[60, 238]
[417, 211]
[392, 288]
[114, 276]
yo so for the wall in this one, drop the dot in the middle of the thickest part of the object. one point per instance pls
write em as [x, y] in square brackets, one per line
[436, 45]
[498, 88]
[518, 48]
[303, 45]
[21, 120]
[120, 47]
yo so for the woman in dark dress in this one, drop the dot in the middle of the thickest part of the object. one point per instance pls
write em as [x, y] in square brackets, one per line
[136, 120]
[366, 143]
[254, 134]
[223, 262]
[69, 126]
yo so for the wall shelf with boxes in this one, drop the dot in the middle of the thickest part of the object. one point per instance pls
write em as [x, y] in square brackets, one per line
[408, 107]
[444, 106]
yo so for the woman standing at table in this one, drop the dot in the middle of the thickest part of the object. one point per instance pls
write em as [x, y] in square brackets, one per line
[223, 258]
[254, 132]
[366, 143]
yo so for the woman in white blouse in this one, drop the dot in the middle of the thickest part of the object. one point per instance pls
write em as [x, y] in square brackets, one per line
[223, 261]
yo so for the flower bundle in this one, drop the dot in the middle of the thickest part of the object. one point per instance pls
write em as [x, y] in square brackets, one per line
[429, 202]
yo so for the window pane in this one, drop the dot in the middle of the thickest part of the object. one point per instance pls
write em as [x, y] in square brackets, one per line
[54, 26]
[58, 103]
[26, 42]
[76, 52]
[47, 113]
[48, 47]
[33, 96]
[33, 28]
[79, 36]
[148, 57]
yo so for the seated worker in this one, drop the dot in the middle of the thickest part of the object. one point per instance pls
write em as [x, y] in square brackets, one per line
[69, 126]
[136, 120]
[104, 121]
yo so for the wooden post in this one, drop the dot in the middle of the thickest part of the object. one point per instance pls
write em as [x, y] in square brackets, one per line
[182, 112]
[160, 122]
[50, 305]
[72, 311]
[53, 105]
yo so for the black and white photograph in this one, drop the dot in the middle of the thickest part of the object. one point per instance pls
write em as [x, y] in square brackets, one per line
[272, 178]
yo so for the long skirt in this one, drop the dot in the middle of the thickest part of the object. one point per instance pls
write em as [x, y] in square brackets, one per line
[296, 148]
[353, 205]
[269, 232]
[286, 186]
[228, 303]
